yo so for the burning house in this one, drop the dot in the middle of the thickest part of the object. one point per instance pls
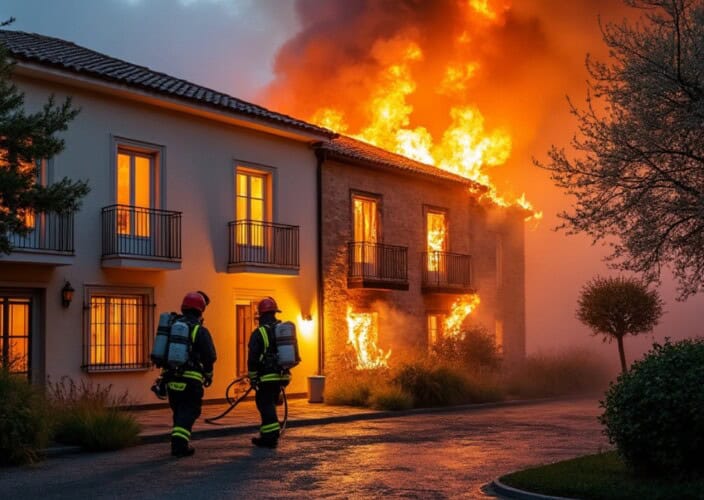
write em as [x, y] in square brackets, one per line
[373, 255]
[409, 255]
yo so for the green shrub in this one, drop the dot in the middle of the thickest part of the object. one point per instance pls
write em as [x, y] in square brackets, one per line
[390, 397]
[24, 420]
[568, 373]
[654, 413]
[89, 416]
[474, 350]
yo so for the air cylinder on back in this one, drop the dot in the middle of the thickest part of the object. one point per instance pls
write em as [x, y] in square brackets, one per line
[161, 340]
[179, 344]
[287, 345]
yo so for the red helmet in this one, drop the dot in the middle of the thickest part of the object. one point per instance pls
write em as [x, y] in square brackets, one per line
[194, 300]
[267, 305]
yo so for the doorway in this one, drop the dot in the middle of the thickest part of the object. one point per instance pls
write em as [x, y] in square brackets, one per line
[245, 321]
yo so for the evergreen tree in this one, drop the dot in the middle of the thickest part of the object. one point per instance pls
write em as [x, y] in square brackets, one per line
[25, 140]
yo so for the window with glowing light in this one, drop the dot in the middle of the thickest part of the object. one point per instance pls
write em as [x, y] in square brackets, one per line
[365, 228]
[118, 331]
[436, 238]
[435, 328]
[499, 334]
[135, 181]
[252, 206]
[15, 327]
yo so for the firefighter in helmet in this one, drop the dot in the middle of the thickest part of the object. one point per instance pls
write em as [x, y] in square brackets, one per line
[185, 387]
[266, 376]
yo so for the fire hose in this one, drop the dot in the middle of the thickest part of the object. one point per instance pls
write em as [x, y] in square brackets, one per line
[239, 389]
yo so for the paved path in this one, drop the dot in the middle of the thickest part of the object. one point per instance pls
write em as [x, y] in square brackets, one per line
[426, 455]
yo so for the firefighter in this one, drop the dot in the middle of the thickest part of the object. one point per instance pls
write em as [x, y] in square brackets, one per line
[185, 387]
[265, 375]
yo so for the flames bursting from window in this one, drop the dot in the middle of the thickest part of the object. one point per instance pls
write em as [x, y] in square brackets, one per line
[363, 330]
[437, 238]
[463, 307]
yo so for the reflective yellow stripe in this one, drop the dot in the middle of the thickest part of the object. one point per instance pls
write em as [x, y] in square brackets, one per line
[262, 330]
[176, 386]
[274, 377]
[181, 430]
[193, 333]
[193, 375]
[270, 428]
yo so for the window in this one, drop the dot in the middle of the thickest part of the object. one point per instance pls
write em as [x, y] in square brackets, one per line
[135, 172]
[365, 230]
[119, 330]
[15, 314]
[499, 334]
[252, 206]
[435, 328]
[436, 236]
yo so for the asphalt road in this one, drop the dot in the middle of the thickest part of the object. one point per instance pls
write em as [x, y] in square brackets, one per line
[436, 455]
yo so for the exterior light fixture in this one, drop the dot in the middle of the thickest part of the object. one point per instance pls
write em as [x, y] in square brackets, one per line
[307, 317]
[67, 295]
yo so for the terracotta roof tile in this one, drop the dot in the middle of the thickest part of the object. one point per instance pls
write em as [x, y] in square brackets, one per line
[31, 47]
[347, 148]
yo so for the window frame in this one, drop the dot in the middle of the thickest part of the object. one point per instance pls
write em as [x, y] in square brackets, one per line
[378, 200]
[157, 177]
[145, 311]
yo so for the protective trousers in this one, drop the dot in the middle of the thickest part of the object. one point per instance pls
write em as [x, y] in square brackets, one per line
[185, 400]
[266, 398]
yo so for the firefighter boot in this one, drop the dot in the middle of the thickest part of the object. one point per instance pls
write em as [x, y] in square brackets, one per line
[265, 442]
[181, 448]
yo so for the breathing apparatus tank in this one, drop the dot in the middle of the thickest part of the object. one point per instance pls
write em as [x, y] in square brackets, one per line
[286, 345]
[161, 340]
[179, 344]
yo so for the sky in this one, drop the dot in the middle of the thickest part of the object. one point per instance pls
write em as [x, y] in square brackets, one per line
[295, 56]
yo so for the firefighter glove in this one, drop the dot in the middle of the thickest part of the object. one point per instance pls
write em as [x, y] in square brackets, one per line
[207, 381]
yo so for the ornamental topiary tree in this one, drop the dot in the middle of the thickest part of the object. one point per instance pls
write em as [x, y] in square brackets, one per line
[616, 307]
[654, 413]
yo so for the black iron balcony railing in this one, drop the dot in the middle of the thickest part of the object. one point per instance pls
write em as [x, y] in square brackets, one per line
[148, 233]
[375, 265]
[264, 244]
[50, 232]
[446, 272]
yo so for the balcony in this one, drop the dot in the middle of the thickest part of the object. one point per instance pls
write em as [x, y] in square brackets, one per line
[445, 272]
[379, 266]
[141, 238]
[49, 242]
[263, 248]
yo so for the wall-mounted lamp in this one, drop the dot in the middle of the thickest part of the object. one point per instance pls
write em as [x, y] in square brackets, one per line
[67, 294]
[307, 317]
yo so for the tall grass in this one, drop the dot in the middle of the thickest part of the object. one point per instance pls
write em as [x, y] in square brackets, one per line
[24, 420]
[572, 372]
[89, 415]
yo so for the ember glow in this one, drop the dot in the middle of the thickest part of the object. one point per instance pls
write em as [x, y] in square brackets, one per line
[363, 334]
[462, 308]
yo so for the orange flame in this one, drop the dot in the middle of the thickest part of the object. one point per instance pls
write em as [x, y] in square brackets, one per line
[465, 147]
[363, 334]
[462, 308]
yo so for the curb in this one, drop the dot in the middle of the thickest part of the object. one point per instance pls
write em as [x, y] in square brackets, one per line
[230, 430]
[508, 491]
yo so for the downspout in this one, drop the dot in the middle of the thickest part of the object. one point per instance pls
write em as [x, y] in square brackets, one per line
[320, 155]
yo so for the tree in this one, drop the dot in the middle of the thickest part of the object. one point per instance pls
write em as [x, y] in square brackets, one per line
[26, 139]
[616, 307]
[637, 169]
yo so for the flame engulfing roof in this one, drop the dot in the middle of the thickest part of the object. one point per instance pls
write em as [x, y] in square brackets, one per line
[67, 56]
[347, 148]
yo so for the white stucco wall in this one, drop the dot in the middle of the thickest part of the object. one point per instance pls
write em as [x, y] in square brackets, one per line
[199, 164]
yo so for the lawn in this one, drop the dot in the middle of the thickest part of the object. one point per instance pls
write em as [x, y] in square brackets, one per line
[603, 476]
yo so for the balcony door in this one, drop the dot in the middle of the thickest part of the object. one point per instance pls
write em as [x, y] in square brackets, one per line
[253, 235]
[35, 221]
[436, 245]
[365, 213]
[136, 197]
